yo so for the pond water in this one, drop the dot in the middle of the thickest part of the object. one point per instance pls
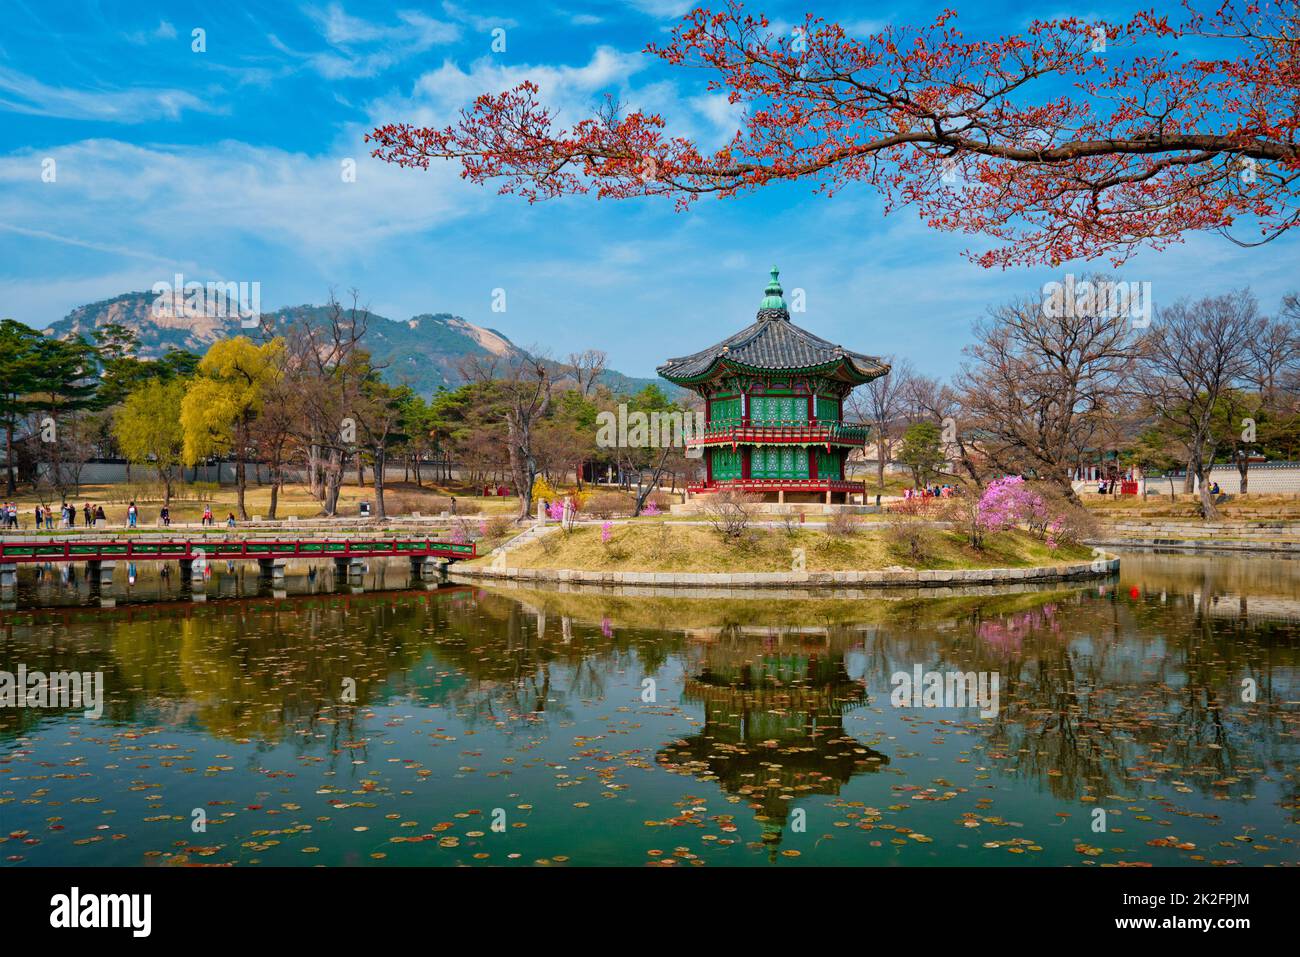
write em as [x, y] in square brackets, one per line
[1147, 719]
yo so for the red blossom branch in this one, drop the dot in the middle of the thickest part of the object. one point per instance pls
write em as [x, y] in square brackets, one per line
[1125, 146]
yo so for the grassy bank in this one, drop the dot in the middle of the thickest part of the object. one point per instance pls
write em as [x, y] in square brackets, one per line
[673, 547]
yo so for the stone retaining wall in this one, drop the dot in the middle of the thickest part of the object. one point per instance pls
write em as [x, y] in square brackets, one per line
[1172, 528]
[1201, 544]
[1100, 567]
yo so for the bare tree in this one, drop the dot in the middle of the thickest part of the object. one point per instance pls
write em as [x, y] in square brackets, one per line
[586, 367]
[1195, 354]
[523, 383]
[1274, 347]
[929, 399]
[880, 403]
[1038, 383]
[329, 365]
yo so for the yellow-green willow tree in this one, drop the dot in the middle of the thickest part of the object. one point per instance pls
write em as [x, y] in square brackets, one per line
[224, 400]
[148, 429]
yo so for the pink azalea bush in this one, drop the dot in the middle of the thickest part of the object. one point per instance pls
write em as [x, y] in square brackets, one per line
[1010, 502]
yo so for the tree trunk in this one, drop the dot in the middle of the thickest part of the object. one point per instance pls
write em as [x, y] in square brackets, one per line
[379, 482]
[1209, 511]
[9, 457]
[642, 495]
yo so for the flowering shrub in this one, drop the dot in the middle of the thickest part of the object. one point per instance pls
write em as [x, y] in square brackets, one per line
[606, 532]
[1011, 501]
[543, 489]
[650, 508]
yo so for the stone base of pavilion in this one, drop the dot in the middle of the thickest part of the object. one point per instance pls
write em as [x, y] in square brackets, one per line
[809, 496]
[695, 504]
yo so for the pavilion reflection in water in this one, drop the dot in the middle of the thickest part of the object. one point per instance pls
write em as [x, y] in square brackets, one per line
[773, 727]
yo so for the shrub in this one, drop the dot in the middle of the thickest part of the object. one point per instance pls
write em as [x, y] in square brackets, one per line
[842, 524]
[963, 510]
[730, 514]
[1067, 523]
[1009, 502]
[911, 526]
[1044, 510]
[605, 505]
[543, 489]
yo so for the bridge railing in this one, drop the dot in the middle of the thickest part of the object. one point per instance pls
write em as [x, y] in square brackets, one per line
[73, 550]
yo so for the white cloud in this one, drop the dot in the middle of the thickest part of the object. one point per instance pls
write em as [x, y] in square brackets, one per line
[674, 9]
[363, 48]
[571, 93]
[20, 93]
[164, 31]
[229, 206]
[478, 22]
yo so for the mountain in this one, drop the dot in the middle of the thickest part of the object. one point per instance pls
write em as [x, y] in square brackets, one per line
[422, 352]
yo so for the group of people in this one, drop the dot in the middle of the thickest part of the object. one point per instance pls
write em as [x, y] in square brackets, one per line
[92, 516]
[931, 491]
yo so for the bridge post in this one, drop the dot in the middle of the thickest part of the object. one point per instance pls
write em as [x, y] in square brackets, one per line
[272, 568]
[100, 572]
[8, 574]
[349, 569]
[425, 567]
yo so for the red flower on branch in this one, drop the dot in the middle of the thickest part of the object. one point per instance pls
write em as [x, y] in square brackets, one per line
[1077, 139]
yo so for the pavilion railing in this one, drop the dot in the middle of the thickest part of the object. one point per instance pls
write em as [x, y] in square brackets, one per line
[781, 432]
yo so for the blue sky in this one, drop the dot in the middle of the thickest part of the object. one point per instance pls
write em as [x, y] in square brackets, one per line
[226, 165]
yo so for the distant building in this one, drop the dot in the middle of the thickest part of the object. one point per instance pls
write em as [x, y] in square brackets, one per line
[774, 408]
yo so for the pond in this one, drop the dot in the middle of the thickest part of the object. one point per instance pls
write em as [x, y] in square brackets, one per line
[1146, 719]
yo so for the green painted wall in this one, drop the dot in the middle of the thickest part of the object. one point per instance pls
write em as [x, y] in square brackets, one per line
[778, 409]
[828, 465]
[790, 462]
[726, 464]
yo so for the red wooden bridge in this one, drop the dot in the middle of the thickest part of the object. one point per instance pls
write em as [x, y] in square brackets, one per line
[91, 549]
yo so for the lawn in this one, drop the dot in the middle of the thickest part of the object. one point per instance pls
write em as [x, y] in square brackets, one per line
[401, 498]
[674, 547]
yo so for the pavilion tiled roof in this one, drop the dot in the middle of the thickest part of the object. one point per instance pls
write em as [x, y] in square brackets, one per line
[774, 343]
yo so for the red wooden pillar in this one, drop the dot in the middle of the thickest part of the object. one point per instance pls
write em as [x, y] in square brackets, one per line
[812, 462]
[744, 461]
[708, 466]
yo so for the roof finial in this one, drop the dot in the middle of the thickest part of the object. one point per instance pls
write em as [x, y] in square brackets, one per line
[773, 304]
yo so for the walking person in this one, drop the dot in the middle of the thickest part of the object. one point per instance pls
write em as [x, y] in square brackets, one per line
[100, 516]
[131, 514]
[165, 517]
[88, 515]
